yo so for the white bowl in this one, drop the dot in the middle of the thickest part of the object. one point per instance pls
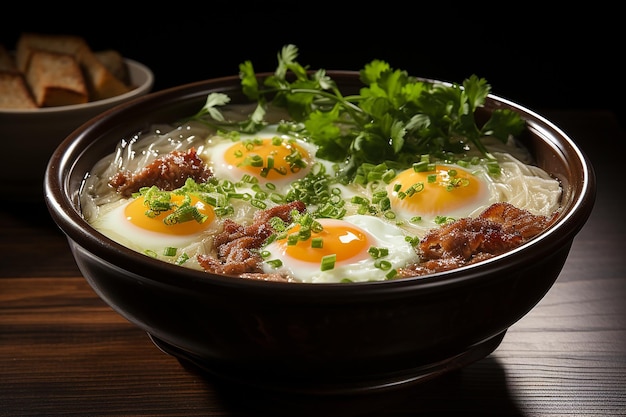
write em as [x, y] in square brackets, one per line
[29, 137]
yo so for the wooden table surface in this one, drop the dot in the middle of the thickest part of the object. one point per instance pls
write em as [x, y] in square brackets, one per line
[64, 352]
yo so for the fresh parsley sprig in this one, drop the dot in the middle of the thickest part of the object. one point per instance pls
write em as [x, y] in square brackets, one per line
[394, 118]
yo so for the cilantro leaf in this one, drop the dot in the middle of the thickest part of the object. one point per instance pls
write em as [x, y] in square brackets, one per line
[395, 118]
[213, 100]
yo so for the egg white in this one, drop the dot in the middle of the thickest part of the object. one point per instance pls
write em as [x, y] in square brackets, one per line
[215, 150]
[113, 224]
[361, 267]
[526, 186]
[486, 195]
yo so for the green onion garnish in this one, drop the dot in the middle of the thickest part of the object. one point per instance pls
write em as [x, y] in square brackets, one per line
[391, 274]
[169, 251]
[182, 259]
[328, 262]
[275, 263]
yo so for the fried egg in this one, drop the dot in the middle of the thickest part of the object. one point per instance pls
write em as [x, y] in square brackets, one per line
[267, 169]
[364, 248]
[129, 224]
[272, 159]
[446, 191]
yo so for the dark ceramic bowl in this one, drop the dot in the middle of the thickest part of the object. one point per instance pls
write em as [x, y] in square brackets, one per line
[314, 338]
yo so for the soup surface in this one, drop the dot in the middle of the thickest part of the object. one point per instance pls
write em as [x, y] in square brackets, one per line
[311, 184]
[391, 215]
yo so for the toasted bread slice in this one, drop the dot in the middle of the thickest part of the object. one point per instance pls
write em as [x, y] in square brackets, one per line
[29, 42]
[101, 83]
[14, 92]
[115, 63]
[56, 79]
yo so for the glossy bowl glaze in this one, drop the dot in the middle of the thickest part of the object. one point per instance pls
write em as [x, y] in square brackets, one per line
[314, 338]
[30, 136]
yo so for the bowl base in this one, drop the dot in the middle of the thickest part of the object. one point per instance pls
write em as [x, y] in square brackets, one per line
[372, 384]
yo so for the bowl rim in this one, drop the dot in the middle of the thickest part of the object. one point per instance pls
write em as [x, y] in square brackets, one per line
[78, 231]
[144, 86]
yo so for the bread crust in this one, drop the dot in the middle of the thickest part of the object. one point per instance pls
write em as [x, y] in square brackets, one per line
[14, 91]
[56, 79]
[100, 82]
[114, 62]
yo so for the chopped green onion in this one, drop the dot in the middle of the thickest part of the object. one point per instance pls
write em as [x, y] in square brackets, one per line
[239, 196]
[278, 224]
[378, 252]
[357, 199]
[382, 264]
[260, 195]
[388, 176]
[258, 204]
[271, 238]
[275, 263]
[252, 160]
[421, 166]
[385, 204]
[330, 211]
[414, 241]
[493, 167]
[304, 233]
[328, 262]
[224, 211]
[186, 212]
[391, 274]
[249, 179]
[182, 259]
[293, 239]
[169, 251]
[443, 220]
[277, 198]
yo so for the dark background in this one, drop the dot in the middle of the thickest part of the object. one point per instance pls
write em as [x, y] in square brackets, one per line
[544, 59]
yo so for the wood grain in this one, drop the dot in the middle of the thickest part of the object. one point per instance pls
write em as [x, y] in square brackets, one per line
[63, 352]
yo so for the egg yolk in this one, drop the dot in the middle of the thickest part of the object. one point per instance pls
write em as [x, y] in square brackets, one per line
[339, 238]
[435, 193]
[269, 158]
[135, 213]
